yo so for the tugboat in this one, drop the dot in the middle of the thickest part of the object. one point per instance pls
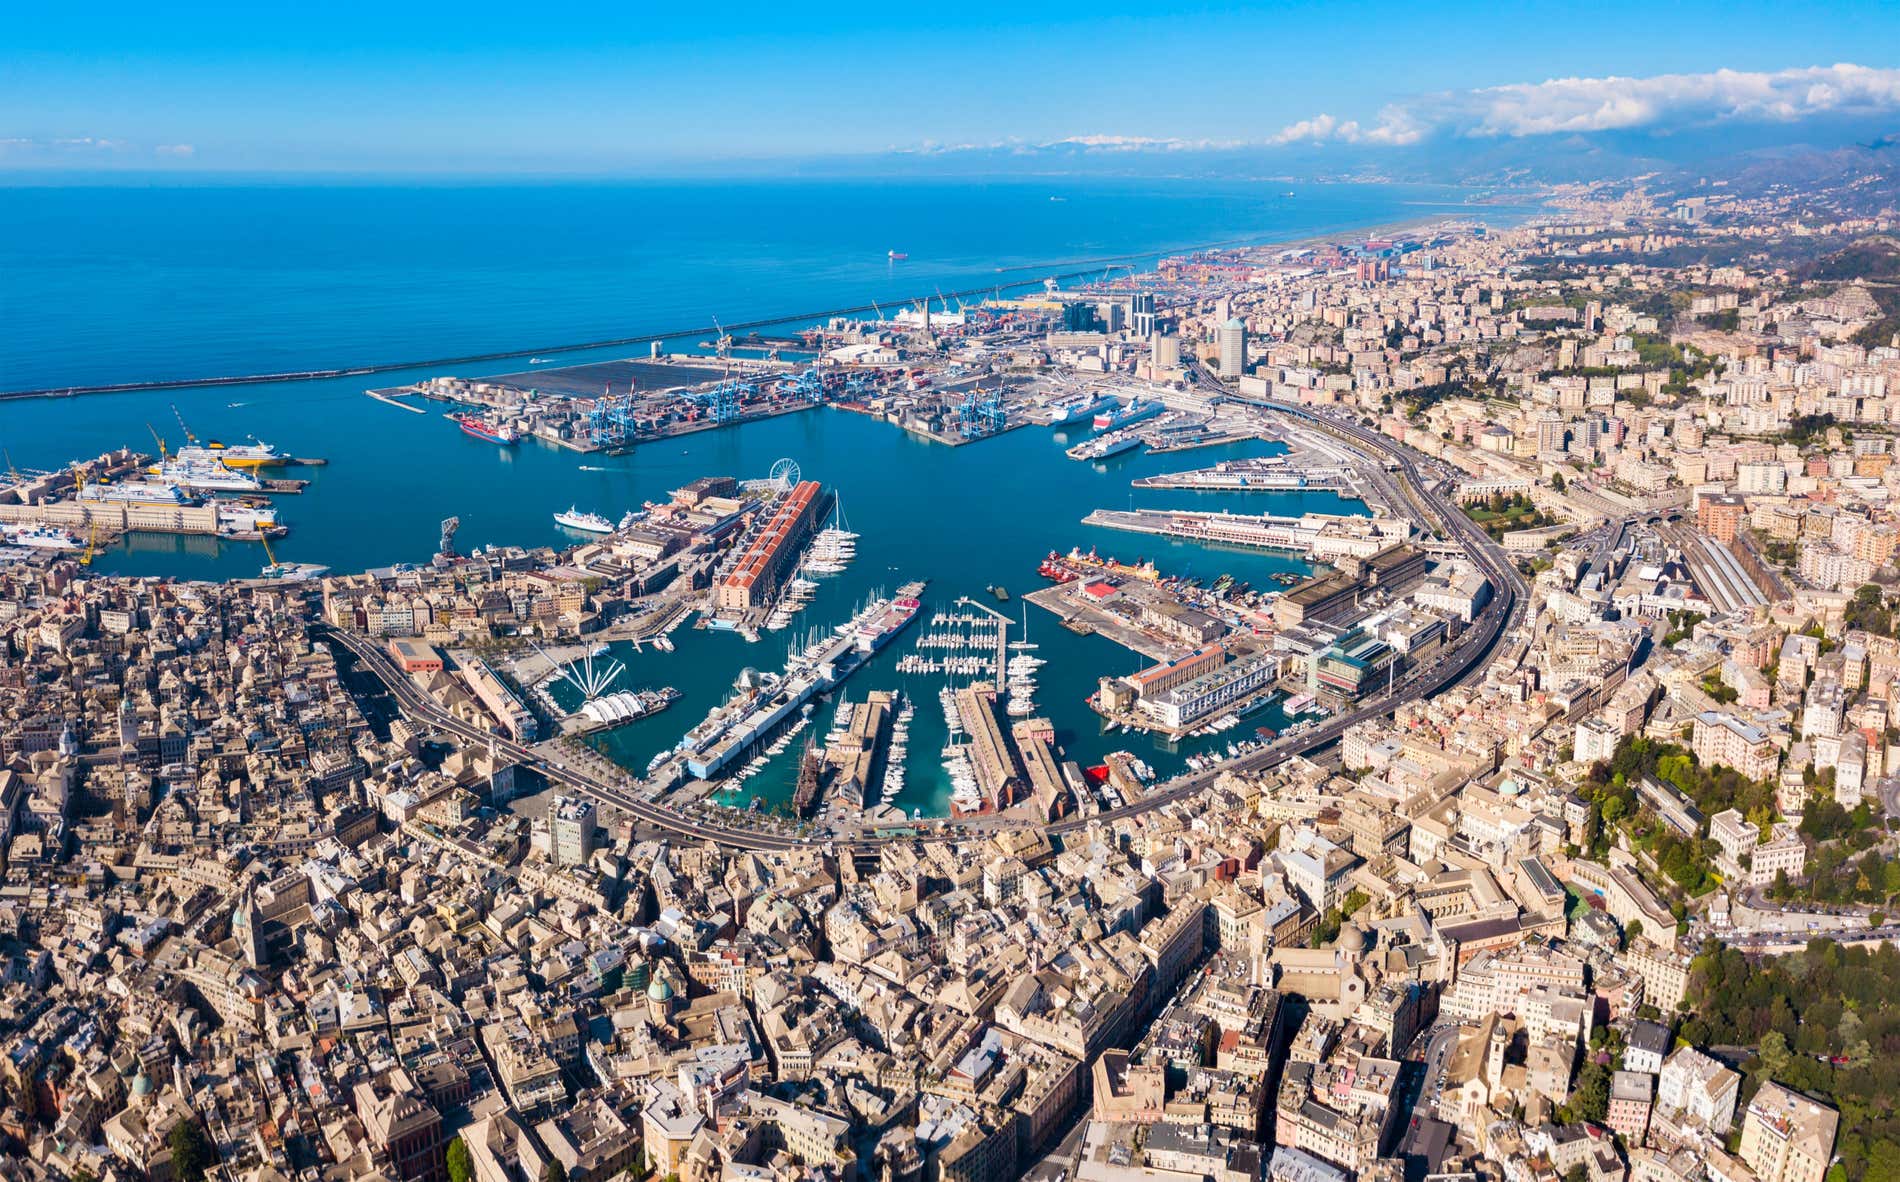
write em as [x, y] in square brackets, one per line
[1053, 569]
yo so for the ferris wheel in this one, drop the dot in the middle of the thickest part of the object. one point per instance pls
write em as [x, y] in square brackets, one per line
[785, 474]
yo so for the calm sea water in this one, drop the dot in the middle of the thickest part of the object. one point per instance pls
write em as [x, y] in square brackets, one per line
[119, 284]
[112, 284]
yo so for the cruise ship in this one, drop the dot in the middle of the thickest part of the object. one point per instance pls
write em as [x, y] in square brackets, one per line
[255, 454]
[1080, 410]
[592, 523]
[206, 476]
[137, 492]
[1137, 411]
[1103, 446]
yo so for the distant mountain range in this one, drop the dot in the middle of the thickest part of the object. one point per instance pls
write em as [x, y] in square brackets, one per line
[1753, 154]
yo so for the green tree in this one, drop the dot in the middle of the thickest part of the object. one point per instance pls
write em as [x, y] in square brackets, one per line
[556, 1172]
[461, 1163]
[1774, 1053]
[191, 1152]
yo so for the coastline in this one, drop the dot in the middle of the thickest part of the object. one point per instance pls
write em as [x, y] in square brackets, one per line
[1065, 269]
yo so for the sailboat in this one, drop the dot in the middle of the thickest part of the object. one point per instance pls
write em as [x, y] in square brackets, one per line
[1025, 644]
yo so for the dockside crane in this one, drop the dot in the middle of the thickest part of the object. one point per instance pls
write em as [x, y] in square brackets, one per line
[179, 415]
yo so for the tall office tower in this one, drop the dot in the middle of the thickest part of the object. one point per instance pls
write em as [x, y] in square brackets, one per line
[1233, 348]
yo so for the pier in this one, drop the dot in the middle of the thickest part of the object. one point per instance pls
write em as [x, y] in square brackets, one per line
[1321, 535]
[1267, 474]
[745, 720]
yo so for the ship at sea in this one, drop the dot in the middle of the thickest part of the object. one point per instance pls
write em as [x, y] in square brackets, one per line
[592, 523]
[1137, 411]
[480, 428]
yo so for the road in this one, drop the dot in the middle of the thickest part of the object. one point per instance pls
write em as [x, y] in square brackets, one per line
[1465, 660]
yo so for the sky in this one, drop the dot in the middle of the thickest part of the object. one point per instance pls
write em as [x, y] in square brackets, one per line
[643, 87]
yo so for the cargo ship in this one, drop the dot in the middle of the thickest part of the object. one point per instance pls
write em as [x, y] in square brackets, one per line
[1080, 410]
[39, 537]
[255, 454]
[1138, 411]
[206, 476]
[592, 523]
[480, 428]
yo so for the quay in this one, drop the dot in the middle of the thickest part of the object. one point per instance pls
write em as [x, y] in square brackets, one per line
[1322, 535]
[1052, 600]
[1265, 474]
[735, 727]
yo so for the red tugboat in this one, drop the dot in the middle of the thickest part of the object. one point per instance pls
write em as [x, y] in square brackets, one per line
[1055, 570]
[482, 429]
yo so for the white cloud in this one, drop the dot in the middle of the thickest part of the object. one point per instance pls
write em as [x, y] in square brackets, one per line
[175, 151]
[1571, 105]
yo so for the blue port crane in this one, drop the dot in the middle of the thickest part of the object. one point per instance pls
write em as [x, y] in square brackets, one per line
[981, 413]
[808, 386]
[610, 421]
[722, 401]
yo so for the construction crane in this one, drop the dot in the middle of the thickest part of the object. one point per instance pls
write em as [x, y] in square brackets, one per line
[176, 414]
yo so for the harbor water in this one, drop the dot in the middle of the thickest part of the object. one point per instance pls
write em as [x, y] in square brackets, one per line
[965, 518]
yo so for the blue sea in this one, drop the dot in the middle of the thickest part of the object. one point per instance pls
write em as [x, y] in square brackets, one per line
[122, 283]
